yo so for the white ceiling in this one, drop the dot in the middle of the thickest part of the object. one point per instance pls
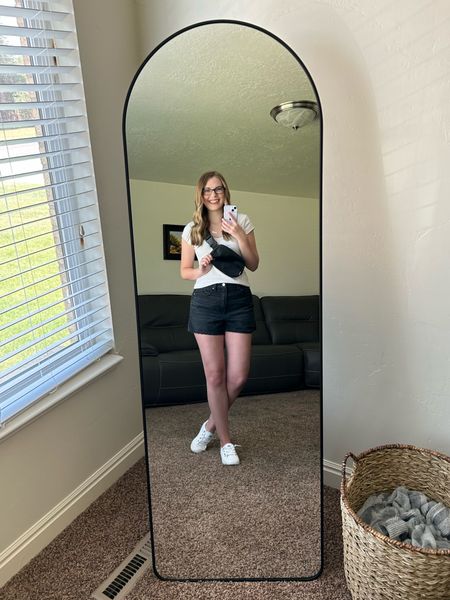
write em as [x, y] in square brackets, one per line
[202, 102]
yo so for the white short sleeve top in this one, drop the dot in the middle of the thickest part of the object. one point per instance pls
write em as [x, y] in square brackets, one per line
[214, 275]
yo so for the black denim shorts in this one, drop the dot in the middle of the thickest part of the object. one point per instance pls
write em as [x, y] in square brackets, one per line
[222, 307]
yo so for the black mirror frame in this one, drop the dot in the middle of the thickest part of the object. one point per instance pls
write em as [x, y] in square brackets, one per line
[302, 65]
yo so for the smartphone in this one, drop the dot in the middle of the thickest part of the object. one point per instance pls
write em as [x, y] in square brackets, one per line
[230, 209]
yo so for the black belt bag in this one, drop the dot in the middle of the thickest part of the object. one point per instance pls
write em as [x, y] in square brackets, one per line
[225, 259]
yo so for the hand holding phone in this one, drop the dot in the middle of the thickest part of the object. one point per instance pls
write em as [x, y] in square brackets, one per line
[228, 210]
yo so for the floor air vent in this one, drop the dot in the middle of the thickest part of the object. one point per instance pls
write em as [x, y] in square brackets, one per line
[125, 577]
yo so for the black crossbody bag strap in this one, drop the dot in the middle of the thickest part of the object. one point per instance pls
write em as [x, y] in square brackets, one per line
[210, 240]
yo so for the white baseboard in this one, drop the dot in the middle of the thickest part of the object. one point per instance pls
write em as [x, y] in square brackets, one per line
[332, 473]
[30, 543]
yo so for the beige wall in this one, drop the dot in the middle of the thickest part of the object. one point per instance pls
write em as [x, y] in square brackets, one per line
[45, 462]
[286, 229]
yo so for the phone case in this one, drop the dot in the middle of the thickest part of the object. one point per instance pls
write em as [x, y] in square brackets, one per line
[230, 209]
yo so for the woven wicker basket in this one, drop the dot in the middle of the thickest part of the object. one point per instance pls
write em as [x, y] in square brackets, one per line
[376, 566]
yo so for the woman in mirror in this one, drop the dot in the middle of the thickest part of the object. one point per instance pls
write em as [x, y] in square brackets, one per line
[221, 312]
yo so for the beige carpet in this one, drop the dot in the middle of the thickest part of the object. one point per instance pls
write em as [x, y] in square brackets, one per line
[260, 519]
[87, 551]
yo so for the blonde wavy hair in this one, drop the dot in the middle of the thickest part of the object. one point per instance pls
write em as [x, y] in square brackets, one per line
[200, 216]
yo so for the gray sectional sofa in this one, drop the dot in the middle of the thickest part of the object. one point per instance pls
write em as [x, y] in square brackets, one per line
[285, 348]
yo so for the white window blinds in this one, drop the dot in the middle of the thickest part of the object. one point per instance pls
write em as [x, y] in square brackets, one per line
[54, 305]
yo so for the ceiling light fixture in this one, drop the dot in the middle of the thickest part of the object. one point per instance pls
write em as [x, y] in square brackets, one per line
[295, 114]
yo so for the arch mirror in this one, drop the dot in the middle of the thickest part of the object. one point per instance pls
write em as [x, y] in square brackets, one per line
[202, 101]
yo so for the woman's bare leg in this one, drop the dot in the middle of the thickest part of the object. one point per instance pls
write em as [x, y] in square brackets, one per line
[213, 357]
[239, 347]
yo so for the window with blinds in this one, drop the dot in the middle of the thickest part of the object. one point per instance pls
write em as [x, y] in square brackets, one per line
[54, 306]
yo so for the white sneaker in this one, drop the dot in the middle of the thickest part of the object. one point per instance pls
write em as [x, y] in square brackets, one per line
[201, 440]
[229, 455]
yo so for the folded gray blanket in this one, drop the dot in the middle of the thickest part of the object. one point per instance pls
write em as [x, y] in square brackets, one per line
[408, 516]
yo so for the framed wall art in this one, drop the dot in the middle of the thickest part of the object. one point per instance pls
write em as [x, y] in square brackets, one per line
[172, 241]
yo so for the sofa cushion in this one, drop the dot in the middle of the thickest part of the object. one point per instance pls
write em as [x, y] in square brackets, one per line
[274, 368]
[147, 349]
[308, 345]
[292, 319]
[261, 334]
[163, 322]
[182, 377]
[313, 367]
[150, 379]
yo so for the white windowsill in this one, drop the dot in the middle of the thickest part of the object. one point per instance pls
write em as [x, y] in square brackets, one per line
[97, 369]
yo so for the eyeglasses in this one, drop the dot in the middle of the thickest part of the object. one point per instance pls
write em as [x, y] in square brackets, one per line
[218, 190]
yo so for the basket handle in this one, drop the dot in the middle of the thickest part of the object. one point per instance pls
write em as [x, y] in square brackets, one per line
[344, 467]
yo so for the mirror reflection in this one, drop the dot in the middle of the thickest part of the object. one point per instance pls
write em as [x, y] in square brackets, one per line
[230, 362]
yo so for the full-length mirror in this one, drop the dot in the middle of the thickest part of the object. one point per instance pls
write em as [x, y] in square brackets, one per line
[204, 101]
